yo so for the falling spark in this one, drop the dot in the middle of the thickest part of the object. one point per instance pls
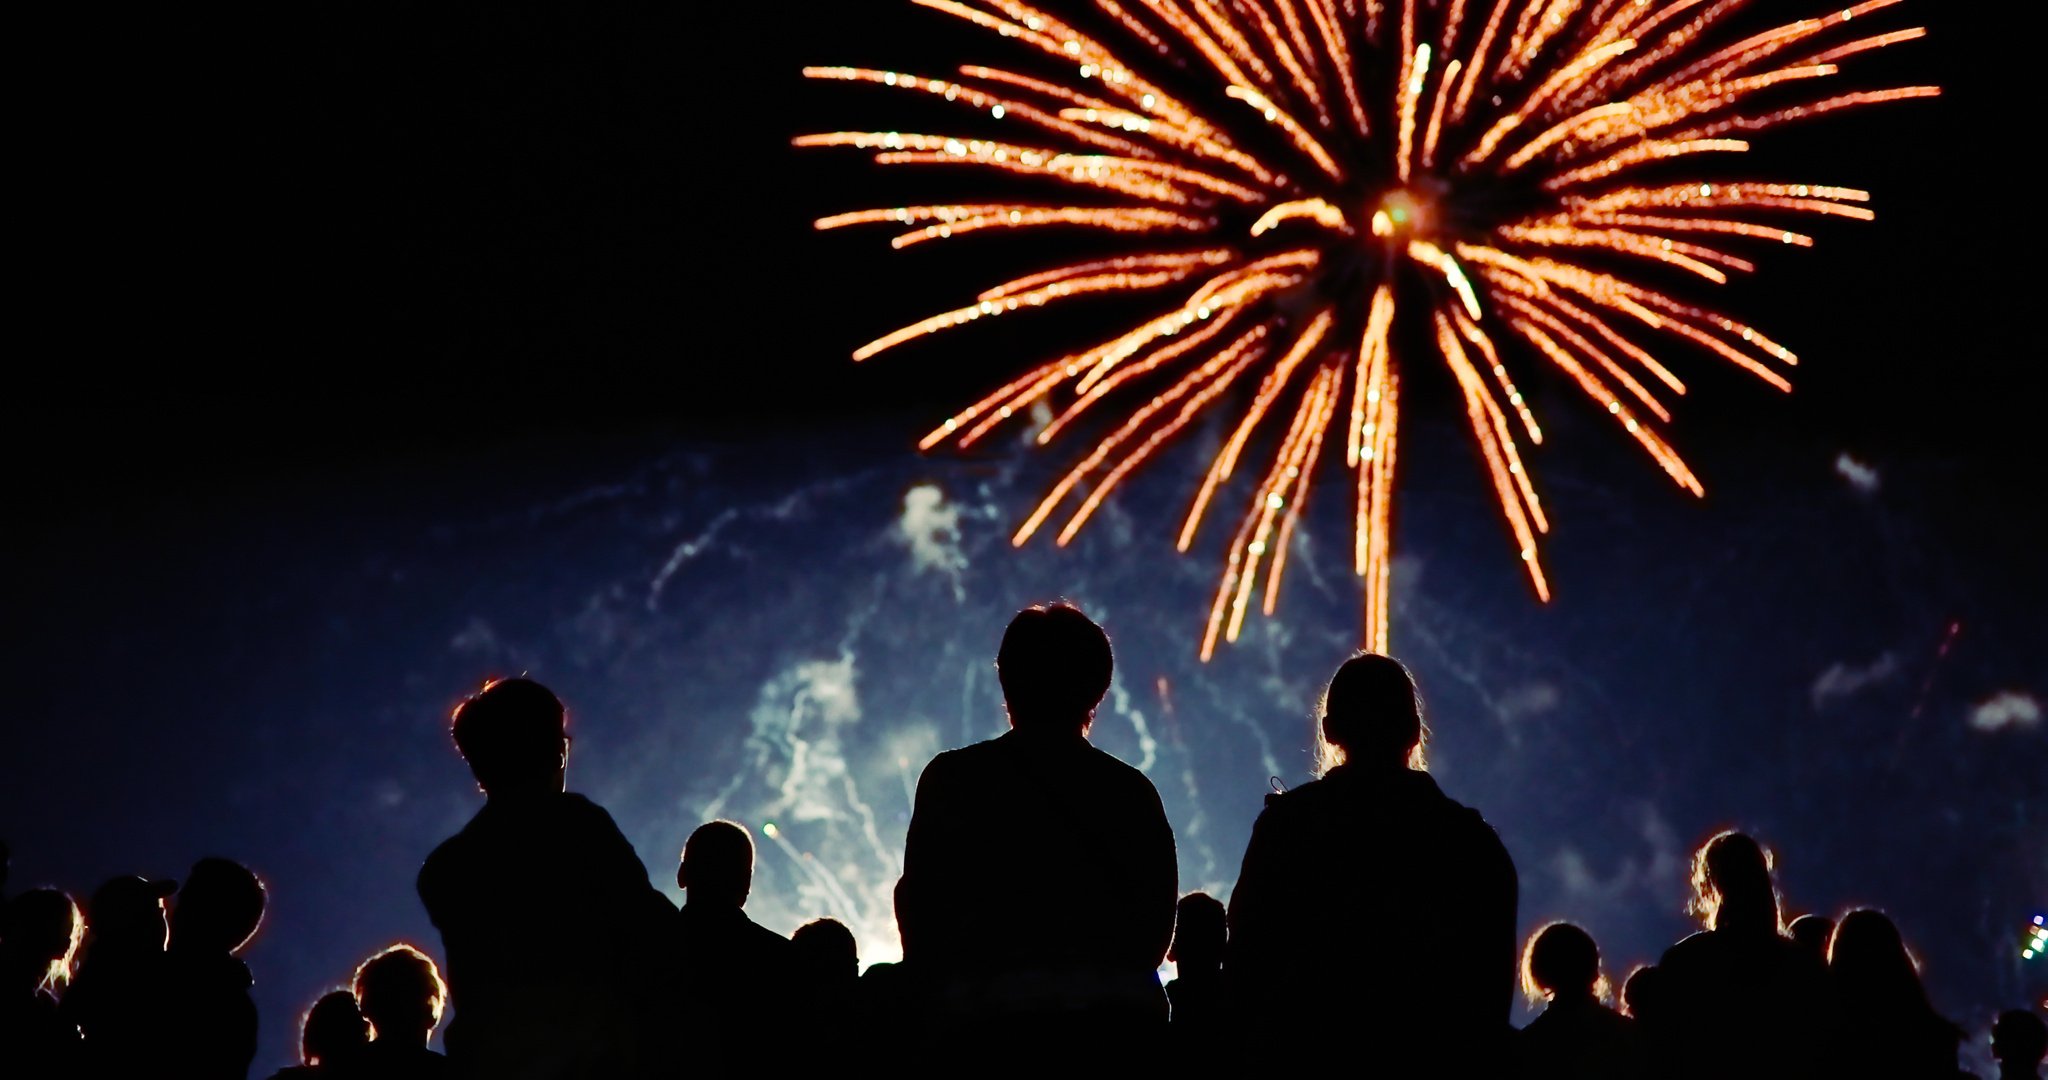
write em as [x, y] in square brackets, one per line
[1346, 150]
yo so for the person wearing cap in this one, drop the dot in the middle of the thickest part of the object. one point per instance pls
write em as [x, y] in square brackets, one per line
[119, 1000]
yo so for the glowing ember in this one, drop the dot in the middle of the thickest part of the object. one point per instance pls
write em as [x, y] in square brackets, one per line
[1475, 163]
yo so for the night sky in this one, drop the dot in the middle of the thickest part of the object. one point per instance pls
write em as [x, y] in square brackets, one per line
[385, 349]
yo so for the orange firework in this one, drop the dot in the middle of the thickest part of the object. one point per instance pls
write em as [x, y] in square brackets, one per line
[1462, 173]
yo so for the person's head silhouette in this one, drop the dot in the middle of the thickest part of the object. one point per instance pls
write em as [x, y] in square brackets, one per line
[127, 914]
[219, 907]
[1639, 993]
[333, 1030]
[1731, 882]
[2019, 1041]
[1562, 963]
[1199, 934]
[1870, 961]
[39, 935]
[514, 735]
[401, 994]
[1812, 933]
[718, 865]
[1054, 665]
[826, 950]
[1372, 716]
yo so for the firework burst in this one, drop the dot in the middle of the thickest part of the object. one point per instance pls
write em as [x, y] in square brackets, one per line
[1338, 176]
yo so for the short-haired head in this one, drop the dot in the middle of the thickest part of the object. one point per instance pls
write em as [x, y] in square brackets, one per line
[333, 1029]
[1200, 932]
[1054, 665]
[2019, 1039]
[1562, 961]
[718, 864]
[1372, 715]
[42, 928]
[1731, 883]
[1640, 991]
[827, 949]
[401, 994]
[218, 908]
[514, 735]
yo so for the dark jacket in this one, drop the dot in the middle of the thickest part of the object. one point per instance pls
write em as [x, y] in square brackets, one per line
[1744, 1002]
[1374, 915]
[555, 940]
[1039, 876]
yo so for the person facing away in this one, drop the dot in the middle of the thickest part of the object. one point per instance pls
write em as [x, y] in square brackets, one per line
[119, 1000]
[39, 935]
[1888, 1026]
[1199, 935]
[1740, 998]
[401, 994]
[550, 927]
[1639, 1001]
[827, 953]
[332, 1037]
[1576, 1037]
[1372, 904]
[2019, 1042]
[736, 973]
[212, 1018]
[826, 960]
[1812, 932]
[1039, 875]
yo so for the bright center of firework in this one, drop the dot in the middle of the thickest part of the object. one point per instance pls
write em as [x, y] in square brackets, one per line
[1399, 214]
[1567, 129]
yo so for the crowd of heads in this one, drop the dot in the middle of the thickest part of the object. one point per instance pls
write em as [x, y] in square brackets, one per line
[1348, 938]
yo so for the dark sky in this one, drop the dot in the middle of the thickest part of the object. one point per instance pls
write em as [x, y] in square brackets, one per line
[295, 276]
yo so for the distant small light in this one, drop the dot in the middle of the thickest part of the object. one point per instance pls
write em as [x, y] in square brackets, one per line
[770, 829]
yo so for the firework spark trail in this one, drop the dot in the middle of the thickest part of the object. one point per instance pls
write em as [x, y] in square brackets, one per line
[1345, 190]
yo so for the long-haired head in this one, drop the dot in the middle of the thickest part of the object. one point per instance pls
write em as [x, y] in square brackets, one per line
[1731, 883]
[1371, 714]
[44, 925]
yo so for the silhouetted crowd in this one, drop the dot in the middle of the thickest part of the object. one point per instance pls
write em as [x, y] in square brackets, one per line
[1372, 930]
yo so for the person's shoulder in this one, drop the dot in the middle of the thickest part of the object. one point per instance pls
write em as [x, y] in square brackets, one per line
[1688, 949]
[1117, 769]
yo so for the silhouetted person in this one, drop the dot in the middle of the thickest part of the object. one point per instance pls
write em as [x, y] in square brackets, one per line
[737, 975]
[892, 1006]
[1812, 933]
[401, 994]
[1639, 996]
[2019, 1041]
[1199, 1034]
[827, 963]
[212, 1018]
[1888, 1027]
[1200, 932]
[1740, 998]
[826, 953]
[1039, 876]
[39, 935]
[1373, 911]
[1575, 1037]
[332, 1038]
[551, 930]
[119, 1001]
